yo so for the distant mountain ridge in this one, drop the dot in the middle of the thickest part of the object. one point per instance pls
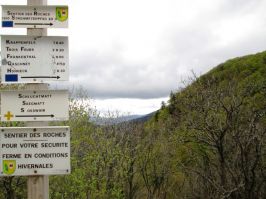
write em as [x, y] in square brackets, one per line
[118, 120]
[144, 118]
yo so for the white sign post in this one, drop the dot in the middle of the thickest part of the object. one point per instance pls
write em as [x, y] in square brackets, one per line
[34, 151]
[15, 16]
[34, 59]
[39, 105]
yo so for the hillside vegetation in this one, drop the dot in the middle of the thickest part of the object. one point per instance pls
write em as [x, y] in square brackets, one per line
[218, 124]
[207, 142]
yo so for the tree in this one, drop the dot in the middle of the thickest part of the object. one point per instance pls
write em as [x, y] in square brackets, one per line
[227, 120]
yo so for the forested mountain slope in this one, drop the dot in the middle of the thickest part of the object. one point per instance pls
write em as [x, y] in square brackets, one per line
[208, 142]
[216, 126]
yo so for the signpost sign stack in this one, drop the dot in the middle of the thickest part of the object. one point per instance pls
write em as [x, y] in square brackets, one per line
[37, 150]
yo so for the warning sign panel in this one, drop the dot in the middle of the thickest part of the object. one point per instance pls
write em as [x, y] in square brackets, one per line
[34, 151]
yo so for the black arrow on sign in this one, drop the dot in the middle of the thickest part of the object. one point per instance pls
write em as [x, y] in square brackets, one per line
[38, 77]
[35, 24]
[35, 115]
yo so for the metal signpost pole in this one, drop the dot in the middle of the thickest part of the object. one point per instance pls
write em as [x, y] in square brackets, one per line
[38, 186]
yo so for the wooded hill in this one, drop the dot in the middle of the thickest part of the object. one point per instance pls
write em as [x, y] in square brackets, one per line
[208, 142]
[218, 125]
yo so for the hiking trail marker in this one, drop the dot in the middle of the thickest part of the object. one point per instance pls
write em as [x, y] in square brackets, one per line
[29, 59]
[34, 59]
[39, 105]
[19, 16]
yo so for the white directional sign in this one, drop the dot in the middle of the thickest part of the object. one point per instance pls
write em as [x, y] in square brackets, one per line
[39, 105]
[15, 16]
[34, 151]
[34, 59]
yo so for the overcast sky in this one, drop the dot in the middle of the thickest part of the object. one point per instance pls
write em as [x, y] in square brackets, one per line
[129, 54]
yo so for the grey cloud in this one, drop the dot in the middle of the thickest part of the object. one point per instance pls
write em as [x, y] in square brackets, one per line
[196, 47]
[107, 74]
